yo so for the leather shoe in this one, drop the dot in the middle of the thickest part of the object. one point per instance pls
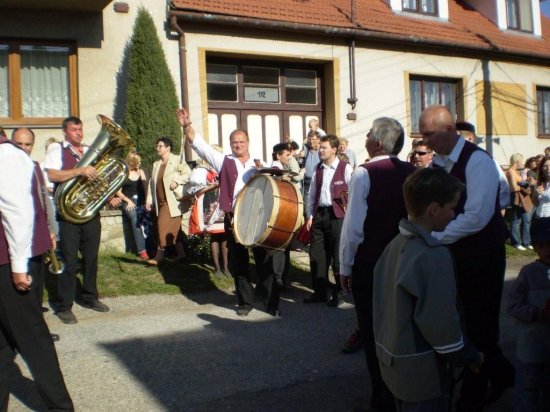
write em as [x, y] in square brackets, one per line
[315, 299]
[55, 337]
[67, 316]
[274, 312]
[335, 301]
[243, 310]
[96, 305]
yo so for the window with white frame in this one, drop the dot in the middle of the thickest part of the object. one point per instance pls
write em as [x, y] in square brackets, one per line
[427, 91]
[37, 82]
[519, 15]
[543, 111]
[420, 6]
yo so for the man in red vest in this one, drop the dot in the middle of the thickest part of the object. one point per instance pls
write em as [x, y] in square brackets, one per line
[325, 214]
[476, 237]
[375, 207]
[60, 163]
[24, 138]
[24, 237]
[235, 170]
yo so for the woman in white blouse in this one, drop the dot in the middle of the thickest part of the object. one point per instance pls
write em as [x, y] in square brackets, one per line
[541, 196]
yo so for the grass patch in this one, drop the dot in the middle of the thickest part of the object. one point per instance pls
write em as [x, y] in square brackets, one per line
[122, 274]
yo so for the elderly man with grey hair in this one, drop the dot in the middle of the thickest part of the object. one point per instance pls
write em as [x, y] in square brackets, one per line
[375, 200]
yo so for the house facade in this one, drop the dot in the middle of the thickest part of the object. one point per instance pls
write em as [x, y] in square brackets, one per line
[271, 67]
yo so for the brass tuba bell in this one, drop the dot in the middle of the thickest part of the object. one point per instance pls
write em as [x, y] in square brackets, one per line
[79, 199]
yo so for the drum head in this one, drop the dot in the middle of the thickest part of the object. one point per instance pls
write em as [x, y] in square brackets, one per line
[254, 210]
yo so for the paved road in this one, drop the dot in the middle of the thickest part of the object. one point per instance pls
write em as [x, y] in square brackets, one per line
[193, 353]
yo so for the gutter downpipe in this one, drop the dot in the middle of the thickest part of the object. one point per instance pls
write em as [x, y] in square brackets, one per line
[253, 23]
[183, 71]
[352, 100]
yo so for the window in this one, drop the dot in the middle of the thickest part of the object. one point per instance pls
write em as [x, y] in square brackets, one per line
[426, 91]
[37, 83]
[420, 6]
[519, 15]
[301, 86]
[259, 83]
[543, 111]
[221, 82]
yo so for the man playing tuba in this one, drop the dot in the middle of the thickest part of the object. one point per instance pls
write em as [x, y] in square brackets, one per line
[60, 163]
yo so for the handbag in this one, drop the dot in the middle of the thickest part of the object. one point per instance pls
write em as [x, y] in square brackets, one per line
[304, 235]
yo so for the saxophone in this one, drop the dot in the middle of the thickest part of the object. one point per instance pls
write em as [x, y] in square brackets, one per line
[79, 199]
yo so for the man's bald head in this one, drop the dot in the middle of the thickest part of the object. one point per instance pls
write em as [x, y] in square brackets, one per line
[438, 129]
[24, 138]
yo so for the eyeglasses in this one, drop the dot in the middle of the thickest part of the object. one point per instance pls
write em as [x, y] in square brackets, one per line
[420, 153]
[159, 146]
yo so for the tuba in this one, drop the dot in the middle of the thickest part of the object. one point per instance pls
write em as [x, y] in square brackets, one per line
[79, 199]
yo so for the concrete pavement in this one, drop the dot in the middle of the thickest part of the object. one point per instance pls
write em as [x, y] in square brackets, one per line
[193, 353]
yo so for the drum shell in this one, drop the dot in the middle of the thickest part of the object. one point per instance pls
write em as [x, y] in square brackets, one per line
[257, 223]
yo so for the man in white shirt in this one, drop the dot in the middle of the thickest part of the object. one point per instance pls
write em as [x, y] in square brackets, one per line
[235, 170]
[22, 327]
[476, 237]
[325, 214]
[60, 164]
[375, 207]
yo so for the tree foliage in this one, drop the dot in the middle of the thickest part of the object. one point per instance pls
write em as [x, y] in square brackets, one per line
[152, 100]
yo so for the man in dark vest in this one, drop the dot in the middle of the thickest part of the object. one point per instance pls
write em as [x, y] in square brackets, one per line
[325, 214]
[235, 170]
[60, 163]
[24, 138]
[24, 237]
[375, 207]
[476, 237]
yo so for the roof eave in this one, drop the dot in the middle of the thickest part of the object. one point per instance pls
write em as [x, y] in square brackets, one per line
[357, 33]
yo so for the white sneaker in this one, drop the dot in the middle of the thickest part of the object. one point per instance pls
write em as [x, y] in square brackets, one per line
[529, 247]
[519, 247]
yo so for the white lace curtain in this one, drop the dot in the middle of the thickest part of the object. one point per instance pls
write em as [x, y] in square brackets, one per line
[45, 81]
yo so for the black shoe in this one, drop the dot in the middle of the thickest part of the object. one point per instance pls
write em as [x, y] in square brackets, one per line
[315, 299]
[96, 305]
[55, 337]
[67, 316]
[44, 309]
[274, 312]
[335, 301]
[243, 310]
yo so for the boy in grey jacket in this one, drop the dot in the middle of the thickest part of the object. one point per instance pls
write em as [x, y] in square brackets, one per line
[529, 303]
[416, 323]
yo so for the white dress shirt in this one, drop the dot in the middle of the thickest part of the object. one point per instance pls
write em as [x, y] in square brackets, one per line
[543, 208]
[54, 156]
[215, 159]
[352, 234]
[481, 193]
[16, 204]
[326, 197]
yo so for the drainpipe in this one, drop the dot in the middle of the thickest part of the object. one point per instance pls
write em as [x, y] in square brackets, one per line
[183, 72]
[352, 99]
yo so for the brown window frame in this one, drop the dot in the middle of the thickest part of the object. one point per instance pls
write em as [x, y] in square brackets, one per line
[458, 90]
[545, 121]
[240, 104]
[418, 9]
[14, 82]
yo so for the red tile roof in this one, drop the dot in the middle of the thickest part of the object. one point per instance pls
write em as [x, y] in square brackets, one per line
[466, 28]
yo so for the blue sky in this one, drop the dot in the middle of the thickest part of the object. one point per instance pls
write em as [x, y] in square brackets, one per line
[545, 7]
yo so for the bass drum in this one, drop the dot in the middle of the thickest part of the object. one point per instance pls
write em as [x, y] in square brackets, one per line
[268, 211]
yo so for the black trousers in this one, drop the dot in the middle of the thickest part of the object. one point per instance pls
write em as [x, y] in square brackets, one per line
[270, 266]
[325, 244]
[22, 328]
[480, 280]
[84, 238]
[362, 290]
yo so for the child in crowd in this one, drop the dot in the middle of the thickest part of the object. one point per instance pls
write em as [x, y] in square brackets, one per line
[529, 303]
[416, 323]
